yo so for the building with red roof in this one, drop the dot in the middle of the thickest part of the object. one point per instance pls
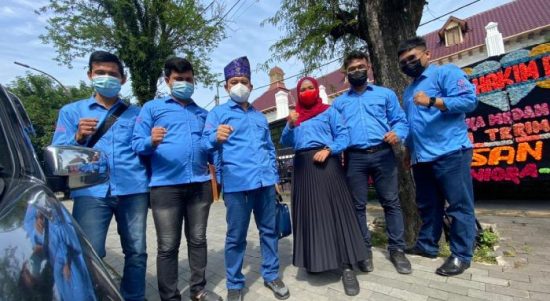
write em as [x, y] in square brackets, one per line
[521, 23]
[512, 26]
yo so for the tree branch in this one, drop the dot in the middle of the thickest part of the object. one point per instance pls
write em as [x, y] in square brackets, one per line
[347, 24]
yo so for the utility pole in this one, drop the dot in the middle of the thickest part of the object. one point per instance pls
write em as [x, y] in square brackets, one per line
[217, 99]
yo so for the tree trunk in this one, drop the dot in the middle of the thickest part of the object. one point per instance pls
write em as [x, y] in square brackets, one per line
[383, 24]
[145, 75]
[144, 86]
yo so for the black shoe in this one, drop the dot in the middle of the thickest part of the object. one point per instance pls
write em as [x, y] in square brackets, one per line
[400, 262]
[279, 289]
[234, 295]
[452, 267]
[416, 251]
[349, 280]
[206, 296]
[366, 265]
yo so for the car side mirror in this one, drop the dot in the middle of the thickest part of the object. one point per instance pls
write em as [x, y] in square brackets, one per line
[76, 166]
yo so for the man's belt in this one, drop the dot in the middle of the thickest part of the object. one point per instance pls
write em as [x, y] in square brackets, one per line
[370, 150]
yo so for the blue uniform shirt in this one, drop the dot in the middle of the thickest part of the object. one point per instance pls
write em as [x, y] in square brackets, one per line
[247, 159]
[370, 115]
[325, 129]
[433, 132]
[127, 175]
[181, 157]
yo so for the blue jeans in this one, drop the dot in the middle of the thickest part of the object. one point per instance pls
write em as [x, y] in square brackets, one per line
[447, 178]
[130, 211]
[239, 205]
[381, 165]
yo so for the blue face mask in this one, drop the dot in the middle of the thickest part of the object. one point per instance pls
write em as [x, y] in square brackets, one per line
[106, 85]
[182, 90]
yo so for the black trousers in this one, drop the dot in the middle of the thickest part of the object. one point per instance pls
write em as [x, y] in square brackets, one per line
[172, 206]
[383, 168]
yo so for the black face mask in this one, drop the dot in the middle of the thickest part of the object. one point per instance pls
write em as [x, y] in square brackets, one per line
[357, 78]
[413, 68]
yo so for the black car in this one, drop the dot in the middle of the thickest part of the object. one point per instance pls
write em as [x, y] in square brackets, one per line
[43, 252]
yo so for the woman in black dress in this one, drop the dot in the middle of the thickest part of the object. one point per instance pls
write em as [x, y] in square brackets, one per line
[326, 232]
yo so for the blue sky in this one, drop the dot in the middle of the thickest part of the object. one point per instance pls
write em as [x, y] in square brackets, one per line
[20, 28]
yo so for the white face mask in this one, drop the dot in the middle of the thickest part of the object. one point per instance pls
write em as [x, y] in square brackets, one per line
[239, 93]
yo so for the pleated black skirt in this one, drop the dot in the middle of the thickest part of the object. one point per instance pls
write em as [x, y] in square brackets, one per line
[326, 231]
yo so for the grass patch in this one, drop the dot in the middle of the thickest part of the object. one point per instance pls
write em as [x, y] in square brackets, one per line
[509, 253]
[487, 241]
[378, 233]
[526, 248]
[444, 249]
[484, 253]
[378, 238]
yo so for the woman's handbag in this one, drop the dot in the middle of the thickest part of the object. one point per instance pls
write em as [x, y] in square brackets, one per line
[284, 227]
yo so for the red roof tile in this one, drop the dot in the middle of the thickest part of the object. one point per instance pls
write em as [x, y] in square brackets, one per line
[267, 99]
[512, 18]
[333, 82]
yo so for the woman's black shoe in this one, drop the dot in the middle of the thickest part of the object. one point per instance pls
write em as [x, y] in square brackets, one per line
[349, 280]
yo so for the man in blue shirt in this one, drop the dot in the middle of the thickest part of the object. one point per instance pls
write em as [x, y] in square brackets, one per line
[126, 193]
[376, 122]
[169, 131]
[240, 136]
[441, 153]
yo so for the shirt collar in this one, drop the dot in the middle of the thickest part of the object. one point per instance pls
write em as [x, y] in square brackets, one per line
[369, 88]
[428, 71]
[93, 102]
[171, 99]
[234, 104]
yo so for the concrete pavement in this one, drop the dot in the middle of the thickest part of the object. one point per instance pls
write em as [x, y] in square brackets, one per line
[524, 273]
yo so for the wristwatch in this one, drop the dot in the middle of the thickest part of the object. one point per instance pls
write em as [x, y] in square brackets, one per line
[327, 148]
[432, 102]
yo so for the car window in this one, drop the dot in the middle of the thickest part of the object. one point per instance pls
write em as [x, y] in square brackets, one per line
[22, 114]
[6, 160]
[18, 137]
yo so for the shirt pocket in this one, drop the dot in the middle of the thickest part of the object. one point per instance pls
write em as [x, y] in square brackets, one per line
[196, 125]
[377, 107]
[261, 129]
[123, 130]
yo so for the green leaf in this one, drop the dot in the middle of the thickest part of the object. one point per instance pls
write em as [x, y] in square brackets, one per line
[143, 33]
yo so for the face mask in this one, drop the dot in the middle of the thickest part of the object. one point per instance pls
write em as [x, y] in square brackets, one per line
[182, 90]
[308, 98]
[239, 93]
[413, 69]
[106, 85]
[357, 78]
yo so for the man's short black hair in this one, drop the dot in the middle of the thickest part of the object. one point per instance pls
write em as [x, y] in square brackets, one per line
[101, 56]
[411, 43]
[177, 64]
[354, 55]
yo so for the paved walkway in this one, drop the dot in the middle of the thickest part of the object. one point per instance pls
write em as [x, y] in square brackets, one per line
[524, 273]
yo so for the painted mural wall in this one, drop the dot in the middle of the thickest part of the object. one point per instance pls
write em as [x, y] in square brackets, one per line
[510, 128]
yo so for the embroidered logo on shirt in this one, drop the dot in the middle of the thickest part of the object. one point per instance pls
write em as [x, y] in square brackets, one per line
[462, 85]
